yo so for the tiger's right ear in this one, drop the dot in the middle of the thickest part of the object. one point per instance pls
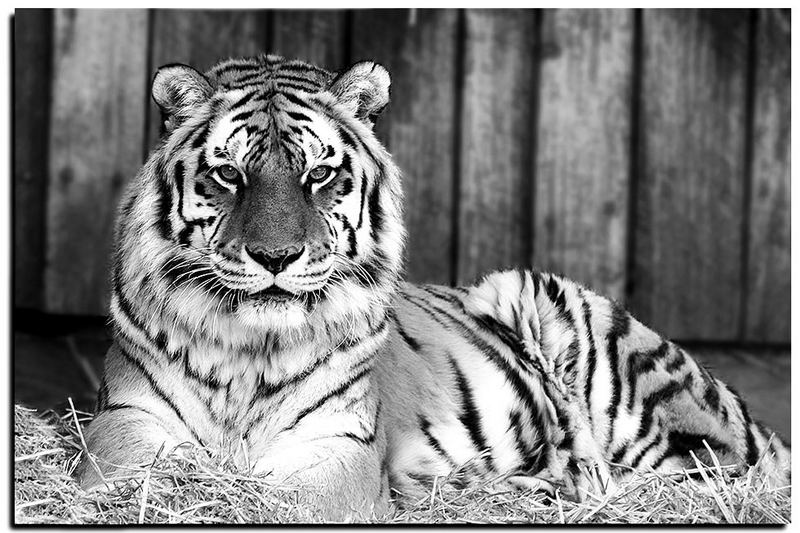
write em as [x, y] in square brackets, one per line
[177, 89]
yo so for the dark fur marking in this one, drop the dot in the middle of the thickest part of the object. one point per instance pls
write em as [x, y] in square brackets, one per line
[425, 426]
[338, 391]
[158, 391]
[470, 417]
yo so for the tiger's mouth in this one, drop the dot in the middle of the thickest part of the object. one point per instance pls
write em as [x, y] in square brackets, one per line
[275, 294]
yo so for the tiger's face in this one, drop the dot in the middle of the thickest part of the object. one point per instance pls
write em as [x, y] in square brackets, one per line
[283, 203]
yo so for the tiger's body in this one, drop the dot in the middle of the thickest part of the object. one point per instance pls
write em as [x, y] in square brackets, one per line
[258, 311]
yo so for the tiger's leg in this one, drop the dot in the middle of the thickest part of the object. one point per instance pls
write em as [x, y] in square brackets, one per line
[336, 477]
[676, 408]
[623, 395]
[335, 457]
[120, 441]
[135, 420]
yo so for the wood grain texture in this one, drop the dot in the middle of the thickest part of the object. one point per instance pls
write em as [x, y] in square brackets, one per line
[418, 127]
[96, 138]
[583, 147]
[688, 256]
[769, 272]
[316, 36]
[202, 38]
[32, 74]
[496, 167]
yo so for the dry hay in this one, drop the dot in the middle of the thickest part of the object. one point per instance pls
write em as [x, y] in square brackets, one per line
[197, 488]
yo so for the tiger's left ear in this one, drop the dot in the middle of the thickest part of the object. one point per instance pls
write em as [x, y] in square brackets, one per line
[178, 89]
[363, 89]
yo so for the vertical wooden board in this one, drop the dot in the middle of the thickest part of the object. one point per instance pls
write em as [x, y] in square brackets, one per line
[418, 127]
[202, 38]
[769, 276]
[32, 74]
[583, 147]
[691, 176]
[316, 36]
[96, 136]
[495, 178]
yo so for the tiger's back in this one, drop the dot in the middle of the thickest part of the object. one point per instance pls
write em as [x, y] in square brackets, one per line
[534, 375]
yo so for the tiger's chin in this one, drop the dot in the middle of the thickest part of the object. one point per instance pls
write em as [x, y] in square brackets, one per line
[272, 316]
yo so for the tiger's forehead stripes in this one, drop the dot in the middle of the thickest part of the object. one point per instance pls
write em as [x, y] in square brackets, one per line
[280, 122]
[268, 70]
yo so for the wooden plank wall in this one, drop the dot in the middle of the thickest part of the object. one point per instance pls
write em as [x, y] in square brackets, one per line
[643, 153]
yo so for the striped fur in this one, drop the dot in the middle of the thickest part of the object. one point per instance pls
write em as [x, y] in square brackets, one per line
[331, 374]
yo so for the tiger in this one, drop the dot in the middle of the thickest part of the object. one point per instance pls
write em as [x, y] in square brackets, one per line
[258, 309]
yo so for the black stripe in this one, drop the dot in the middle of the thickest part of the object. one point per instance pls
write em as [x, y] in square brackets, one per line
[677, 361]
[638, 459]
[157, 390]
[511, 375]
[210, 381]
[620, 326]
[412, 343]
[372, 433]
[664, 394]
[640, 363]
[591, 358]
[300, 117]
[242, 115]
[711, 393]
[362, 204]
[750, 442]
[126, 309]
[347, 138]
[242, 101]
[265, 390]
[424, 426]
[234, 131]
[532, 460]
[351, 235]
[178, 176]
[681, 443]
[281, 77]
[295, 99]
[470, 418]
[338, 391]
[376, 216]
[504, 334]
[202, 135]
[619, 454]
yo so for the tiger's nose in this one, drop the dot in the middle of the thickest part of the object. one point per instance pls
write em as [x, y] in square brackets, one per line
[274, 260]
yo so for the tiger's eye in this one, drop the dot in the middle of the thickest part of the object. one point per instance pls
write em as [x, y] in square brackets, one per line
[320, 174]
[228, 173]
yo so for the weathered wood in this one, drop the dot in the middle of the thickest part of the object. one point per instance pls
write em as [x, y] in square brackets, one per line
[688, 256]
[418, 126]
[316, 36]
[96, 136]
[769, 273]
[583, 147]
[32, 74]
[495, 178]
[202, 38]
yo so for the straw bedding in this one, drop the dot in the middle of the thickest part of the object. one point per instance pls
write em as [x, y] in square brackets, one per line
[202, 488]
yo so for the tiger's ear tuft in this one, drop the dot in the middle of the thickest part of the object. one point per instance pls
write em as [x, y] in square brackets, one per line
[177, 89]
[363, 89]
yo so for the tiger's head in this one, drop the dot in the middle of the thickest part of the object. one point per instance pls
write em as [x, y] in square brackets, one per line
[269, 202]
